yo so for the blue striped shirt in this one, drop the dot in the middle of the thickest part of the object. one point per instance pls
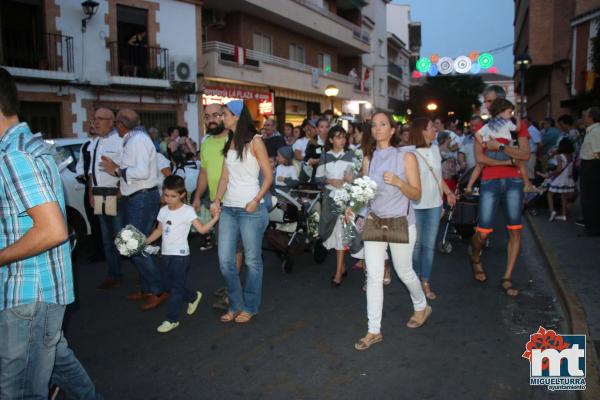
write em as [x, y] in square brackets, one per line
[29, 177]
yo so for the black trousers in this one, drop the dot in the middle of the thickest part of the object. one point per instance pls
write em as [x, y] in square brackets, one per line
[590, 194]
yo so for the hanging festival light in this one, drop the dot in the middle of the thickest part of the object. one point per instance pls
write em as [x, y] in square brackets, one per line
[486, 60]
[423, 65]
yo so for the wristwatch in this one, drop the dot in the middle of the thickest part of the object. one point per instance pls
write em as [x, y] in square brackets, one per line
[501, 147]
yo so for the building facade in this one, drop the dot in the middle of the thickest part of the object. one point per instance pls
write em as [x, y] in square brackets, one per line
[280, 56]
[584, 88]
[128, 54]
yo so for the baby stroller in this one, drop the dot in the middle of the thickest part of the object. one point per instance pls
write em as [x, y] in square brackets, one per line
[288, 231]
[460, 221]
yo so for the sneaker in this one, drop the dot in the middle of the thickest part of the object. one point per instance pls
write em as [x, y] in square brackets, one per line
[193, 305]
[561, 218]
[167, 326]
[552, 216]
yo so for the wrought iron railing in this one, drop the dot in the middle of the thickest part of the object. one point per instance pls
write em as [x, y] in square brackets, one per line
[226, 50]
[151, 62]
[48, 51]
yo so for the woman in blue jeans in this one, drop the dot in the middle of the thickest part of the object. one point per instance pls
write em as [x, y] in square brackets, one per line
[243, 212]
[428, 209]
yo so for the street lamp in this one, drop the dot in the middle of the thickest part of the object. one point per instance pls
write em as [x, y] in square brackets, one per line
[90, 8]
[331, 91]
[432, 107]
[522, 64]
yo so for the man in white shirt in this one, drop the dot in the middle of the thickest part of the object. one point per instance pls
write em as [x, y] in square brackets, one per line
[138, 173]
[535, 140]
[108, 144]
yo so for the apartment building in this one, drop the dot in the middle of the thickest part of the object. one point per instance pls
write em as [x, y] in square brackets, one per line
[281, 56]
[70, 57]
[584, 79]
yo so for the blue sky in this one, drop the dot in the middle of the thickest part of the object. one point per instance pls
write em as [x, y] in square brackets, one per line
[456, 27]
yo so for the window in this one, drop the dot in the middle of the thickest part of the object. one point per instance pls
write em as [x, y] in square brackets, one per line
[262, 43]
[325, 62]
[132, 43]
[161, 120]
[381, 87]
[42, 117]
[297, 53]
[381, 49]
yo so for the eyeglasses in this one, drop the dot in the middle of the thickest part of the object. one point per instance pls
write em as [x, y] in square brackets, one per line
[213, 115]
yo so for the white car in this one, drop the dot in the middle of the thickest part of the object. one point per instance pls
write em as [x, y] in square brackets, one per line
[66, 153]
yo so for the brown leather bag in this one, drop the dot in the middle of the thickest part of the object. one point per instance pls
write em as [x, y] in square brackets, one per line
[389, 230]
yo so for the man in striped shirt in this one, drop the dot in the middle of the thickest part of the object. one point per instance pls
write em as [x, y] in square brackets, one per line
[36, 281]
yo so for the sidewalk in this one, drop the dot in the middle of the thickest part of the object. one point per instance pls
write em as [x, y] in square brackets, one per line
[574, 262]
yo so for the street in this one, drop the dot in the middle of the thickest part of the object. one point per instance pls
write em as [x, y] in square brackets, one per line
[300, 346]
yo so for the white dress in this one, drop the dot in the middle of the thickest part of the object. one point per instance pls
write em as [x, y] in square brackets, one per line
[564, 182]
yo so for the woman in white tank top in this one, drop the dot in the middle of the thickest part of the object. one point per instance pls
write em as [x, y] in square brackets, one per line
[243, 212]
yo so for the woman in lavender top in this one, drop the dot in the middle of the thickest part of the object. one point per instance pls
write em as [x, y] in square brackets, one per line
[396, 172]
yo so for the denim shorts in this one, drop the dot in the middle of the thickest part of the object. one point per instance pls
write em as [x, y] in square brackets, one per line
[497, 155]
[508, 191]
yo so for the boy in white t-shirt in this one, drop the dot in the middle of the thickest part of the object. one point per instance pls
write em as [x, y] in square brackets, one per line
[174, 223]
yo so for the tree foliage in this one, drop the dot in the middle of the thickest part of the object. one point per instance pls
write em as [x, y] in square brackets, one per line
[451, 93]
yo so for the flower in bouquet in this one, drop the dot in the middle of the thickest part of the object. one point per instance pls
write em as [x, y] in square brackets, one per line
[312, 225]
[360, 192]
[130, 241]
[357, 161]
[340, 198]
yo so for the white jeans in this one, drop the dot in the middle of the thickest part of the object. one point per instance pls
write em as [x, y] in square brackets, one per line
[402, 259]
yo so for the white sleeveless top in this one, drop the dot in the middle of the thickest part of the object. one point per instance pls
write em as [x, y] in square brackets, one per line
[242, 185]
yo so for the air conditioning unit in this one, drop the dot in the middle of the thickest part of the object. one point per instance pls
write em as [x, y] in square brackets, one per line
[182, 69]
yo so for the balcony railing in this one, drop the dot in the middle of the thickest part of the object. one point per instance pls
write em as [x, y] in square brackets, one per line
[395, 70]
[48, 51]
[226, 50]
[357, 32]
[148, 62]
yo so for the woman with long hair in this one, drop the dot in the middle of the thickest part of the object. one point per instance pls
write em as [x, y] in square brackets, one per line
[428, 209]
[243, 212]
[396, 172]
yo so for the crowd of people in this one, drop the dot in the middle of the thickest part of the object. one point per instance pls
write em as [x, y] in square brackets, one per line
[416, 168]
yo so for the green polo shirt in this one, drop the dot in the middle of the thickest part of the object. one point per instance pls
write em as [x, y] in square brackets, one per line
[211, 159]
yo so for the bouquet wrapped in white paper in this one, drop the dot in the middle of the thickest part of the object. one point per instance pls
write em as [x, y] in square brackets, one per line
[130, 242]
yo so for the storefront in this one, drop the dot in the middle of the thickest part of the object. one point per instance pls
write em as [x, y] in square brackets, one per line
[261, 104]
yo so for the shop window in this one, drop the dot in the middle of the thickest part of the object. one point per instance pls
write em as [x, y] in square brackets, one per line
[262, 43]
[160, 120]
[42, 117]
[297, 53]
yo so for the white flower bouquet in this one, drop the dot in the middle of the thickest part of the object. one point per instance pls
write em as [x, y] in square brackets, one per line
[130, 242]
[312, 225]
[355, 196]
[357, 161]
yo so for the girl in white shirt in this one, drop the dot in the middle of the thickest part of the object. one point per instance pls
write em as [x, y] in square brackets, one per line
[286, 173]
[174, 223]
[334, 170]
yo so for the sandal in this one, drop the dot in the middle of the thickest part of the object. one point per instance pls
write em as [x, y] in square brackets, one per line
[368, 341]
[427, 290]
[243, 317]
[228, 316]
[509, 288]
[415, 322]
[478, 272]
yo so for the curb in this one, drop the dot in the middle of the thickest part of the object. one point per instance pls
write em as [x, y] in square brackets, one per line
[575, 313]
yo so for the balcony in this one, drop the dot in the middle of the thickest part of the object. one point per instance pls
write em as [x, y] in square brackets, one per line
[45, 56]
[303, 18]
[138, 65]
[268, 70]
[395, 71]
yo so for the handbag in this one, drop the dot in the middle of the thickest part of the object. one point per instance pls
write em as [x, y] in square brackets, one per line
[105, 200]
[389, 230]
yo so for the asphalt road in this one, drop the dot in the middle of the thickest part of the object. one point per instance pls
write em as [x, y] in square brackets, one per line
[300, 346]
